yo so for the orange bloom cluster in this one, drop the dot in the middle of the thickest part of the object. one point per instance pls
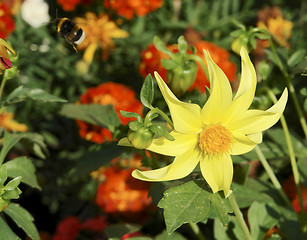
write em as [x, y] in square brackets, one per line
[122, 194]
[99, 31]
[151, 61]
[9, 124]
[69, 228]
[126, 8]
[272, 20]
[7, 24]
[116, 94]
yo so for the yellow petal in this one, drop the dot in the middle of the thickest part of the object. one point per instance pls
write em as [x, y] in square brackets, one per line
[180, 145]
[243, 144]
[220, 95]
[254, 121]
[246, 91]
[218, 172]
[186, 116]
[181, 167]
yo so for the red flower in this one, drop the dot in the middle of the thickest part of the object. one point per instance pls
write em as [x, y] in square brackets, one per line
[116, 94]
[7, 24]
[126, 8]
[68, 229]
[120, 193]
[131, 235]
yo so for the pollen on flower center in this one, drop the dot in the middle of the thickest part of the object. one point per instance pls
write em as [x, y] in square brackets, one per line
[215, 139]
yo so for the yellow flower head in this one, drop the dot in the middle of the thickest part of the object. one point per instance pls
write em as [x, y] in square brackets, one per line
[209, 135]
[99, 31]
[5, 62]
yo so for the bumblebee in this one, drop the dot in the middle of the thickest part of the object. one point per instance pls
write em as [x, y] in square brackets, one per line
[69, 30]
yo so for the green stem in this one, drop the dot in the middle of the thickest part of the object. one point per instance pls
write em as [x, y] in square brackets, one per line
[291, 88]
[272, 176]
[158, 111]
[291, 151]
[239, 217]
[197, 231]
[200, 61]
[4, 79]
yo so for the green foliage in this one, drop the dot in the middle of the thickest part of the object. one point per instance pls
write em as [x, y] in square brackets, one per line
[23, 219]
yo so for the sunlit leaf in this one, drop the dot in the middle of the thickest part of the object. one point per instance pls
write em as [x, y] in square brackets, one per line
[23, 219]
[23, 167]
[185, 203]
[147, 91]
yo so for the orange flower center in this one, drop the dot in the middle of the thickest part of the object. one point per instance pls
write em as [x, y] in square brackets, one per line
[215, 139]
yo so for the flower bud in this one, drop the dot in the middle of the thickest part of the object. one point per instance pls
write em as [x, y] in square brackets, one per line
[239, 42]
[141, 139]
[181, 78]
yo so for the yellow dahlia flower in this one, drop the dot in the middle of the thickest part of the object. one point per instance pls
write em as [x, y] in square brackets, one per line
[210, 135]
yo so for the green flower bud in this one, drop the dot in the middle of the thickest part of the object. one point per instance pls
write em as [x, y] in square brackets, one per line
[238, 43]
[180, 78]
[141, 139]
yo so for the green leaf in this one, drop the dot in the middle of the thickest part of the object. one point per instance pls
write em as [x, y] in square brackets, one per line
[91, 161]
[3, 175]
[147, 91]
[135, 125]
[182, 45]
[6, 232]
[221, 207]
[11, 185]
[162, 130]
[165, 236]
[161, 46]
[23, 167]
[23, 219]
[296, 57]
[97, 114]
[262, 217]
[169, 64]
[245, 195]
[118, 230]
[185, 203]
[10, 139]
[22, 94]
[131, 114]
[11, 194]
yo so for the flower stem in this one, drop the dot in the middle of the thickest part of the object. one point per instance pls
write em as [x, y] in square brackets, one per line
[197, 231]
[158, 111]
[291, 88]
[2, 86]
[239, 217]
[291, 151]
[272, 176]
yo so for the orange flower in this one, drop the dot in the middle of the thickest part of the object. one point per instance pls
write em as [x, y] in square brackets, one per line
[7, 122]
[272, 20]
[120, 193]
[7, 24]
[116, 94]
[99, 31]
[220, 56]
[126, 8]
[68, 5]
[151, 61]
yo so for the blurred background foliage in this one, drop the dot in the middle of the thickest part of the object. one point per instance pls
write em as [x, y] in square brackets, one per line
[48, 62]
